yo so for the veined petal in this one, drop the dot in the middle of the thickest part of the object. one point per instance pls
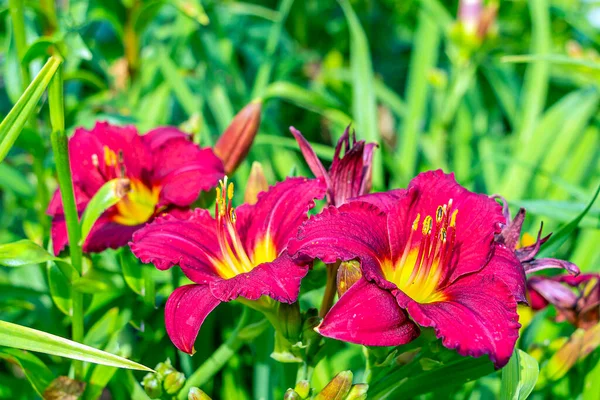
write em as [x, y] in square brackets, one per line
[182, 170]
[546, 263]
[354, 230]
[190, 243]
[278, 213]
[157, 137]
[385, 201]
[279, 279]
[185, 311]
[368, 315]
[350, 175]
[478, 316]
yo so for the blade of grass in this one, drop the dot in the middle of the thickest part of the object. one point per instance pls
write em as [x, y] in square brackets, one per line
[264, 71]
[22, 337]
[14, 122]
[364, 107]
[424, 57]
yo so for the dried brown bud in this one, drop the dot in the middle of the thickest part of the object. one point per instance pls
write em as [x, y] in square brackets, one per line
[64, 388]
[234, 144]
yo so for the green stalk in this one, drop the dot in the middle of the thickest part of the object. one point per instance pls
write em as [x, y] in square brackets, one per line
[17, 15]
[220, 357]
[60, 147]
[330, 288]
[149, 285]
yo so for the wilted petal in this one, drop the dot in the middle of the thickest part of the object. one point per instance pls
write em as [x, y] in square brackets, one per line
[368, 315]
[511, 233]
[234, 144]
[554, 292]
[478, 316]
[351, 174]
[279, 279]
[190, 243]
[278, 212]
[185, 312]
[182, 170]
[545, 263]
[354, 230]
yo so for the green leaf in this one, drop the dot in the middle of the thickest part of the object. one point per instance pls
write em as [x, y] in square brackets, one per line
[22, 253]
[13, 123]
[560, 237]
[132, 271]
[60, 289]
[21, 337]
[13, 180]
[519, 376]
[35, 370]
[364, 109]
[107, 196]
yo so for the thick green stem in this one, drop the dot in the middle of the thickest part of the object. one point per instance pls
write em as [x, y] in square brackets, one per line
[218, 359]
[61, 156]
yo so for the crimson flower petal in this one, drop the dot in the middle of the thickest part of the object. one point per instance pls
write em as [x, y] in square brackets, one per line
[385, 201]
[157, 137]
[368, 315]
[478, 316]
[279, 279]
[182, 170]
[507, 267]
[185, 311]
[351, 174]
[354, 230]
[278, 212]
[310, 156]
[190, 243]
[106, 234]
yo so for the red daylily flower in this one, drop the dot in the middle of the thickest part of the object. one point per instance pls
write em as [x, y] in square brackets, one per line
[427, 252]
[165, 169]
[576, 298]
[348, 176]
[241, 252]
[510, 236]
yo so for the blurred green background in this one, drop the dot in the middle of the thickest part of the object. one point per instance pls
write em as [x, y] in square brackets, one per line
[503, 93]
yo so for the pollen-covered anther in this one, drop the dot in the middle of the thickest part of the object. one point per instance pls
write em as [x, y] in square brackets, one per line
[427, 223]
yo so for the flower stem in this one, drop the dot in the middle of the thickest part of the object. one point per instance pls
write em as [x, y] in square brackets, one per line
[60, 147]
[220, 357]
[330, 288]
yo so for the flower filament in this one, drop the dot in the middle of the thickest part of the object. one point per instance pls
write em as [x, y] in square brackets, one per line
[419, 270]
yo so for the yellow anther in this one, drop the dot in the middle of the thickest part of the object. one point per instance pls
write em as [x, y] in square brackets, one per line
[232, 215]
[443, 234]
[427, 222]
[453, 218]
[439, 214]
[218, 195]
[110, 158]
[415, 224]
[230, 191]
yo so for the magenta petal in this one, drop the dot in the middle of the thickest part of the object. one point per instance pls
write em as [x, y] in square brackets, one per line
[368, 315]
[279, 279]
[185, 312]
[183, 170]
[278, 212]
[106, 234]
[310, 156]
[354, 230]
[351, 174]
[507, 267]
[157, 137]
[478, 317]
[190, 243]
[385, 201]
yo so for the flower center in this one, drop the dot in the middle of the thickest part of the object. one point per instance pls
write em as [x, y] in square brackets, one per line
[419, 270]
[235, 260]
[139, 205]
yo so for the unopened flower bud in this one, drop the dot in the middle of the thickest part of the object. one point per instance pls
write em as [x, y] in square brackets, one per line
[174, 382]
[338, 388]
[256, 183]
[197, 394]
[163, 369]
[303, 389]
[234, 144]
[291, 394]
[358, 392]
[348, 274]
[152, 386]
[290, 321]
[64, 387]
